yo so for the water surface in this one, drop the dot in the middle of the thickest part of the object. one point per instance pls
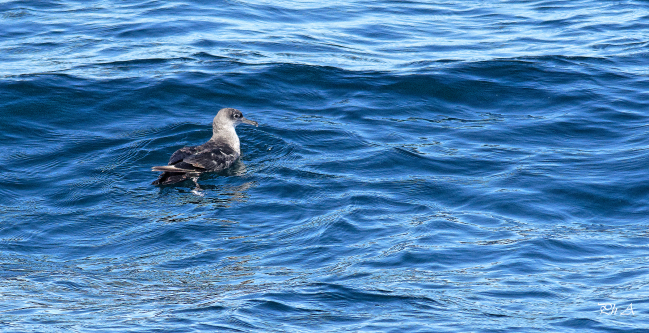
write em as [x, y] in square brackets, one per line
[419, 166]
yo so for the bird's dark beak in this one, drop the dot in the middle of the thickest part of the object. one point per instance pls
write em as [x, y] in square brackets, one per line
[249, 122]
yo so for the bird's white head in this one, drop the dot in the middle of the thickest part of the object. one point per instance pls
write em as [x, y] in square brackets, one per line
[230, 117]
[225, 122]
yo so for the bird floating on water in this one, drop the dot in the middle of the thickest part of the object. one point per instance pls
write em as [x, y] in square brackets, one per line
[217, 154]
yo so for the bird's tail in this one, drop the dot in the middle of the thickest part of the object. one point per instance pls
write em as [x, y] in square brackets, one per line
[170, 168]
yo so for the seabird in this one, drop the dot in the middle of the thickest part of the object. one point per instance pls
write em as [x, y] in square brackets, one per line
[215, 155]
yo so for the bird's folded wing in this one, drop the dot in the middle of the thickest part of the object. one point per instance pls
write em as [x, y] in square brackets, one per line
[214, 160]
[181, 154]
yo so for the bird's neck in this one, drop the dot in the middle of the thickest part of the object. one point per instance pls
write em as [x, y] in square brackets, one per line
[229, 135]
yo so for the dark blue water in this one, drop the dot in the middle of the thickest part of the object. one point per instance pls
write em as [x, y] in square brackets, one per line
[419, 166]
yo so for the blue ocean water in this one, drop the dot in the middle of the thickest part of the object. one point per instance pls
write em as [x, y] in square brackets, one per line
[420, 166]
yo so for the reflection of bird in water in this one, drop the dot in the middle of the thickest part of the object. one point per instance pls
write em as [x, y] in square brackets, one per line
[222, 196]
[217, 154]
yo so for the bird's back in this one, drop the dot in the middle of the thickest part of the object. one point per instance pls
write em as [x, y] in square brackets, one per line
[212, 156]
